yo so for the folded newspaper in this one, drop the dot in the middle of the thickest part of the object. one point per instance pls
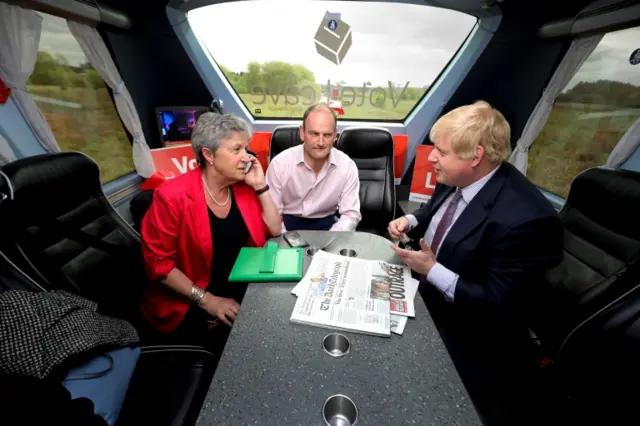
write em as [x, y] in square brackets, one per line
[350, 294]
[398, 322]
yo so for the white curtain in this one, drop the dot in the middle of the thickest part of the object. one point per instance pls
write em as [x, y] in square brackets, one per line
[626, 146]
[577, 53]
[19, 40]
[96, 51]
[6, 153]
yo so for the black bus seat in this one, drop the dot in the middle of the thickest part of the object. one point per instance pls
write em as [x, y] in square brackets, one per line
[372, 151]
[597, 364]
[59, 228]
[283, 138]
[601, 252]
[168, 385]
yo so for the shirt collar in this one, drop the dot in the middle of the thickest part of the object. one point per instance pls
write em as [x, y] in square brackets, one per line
[470, 191]
[332, 156]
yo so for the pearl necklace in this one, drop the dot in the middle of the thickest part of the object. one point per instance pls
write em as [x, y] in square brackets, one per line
[214, 200]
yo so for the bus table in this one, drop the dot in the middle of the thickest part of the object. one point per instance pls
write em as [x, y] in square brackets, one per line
[276, 372]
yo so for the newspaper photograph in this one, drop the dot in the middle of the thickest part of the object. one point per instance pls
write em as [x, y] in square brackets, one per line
[343, 293]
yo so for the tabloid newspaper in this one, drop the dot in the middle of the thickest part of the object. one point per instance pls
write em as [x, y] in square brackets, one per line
[350, 294]
[398, 322]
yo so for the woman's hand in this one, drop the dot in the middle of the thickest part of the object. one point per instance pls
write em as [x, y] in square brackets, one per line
[223, 308]
[255, 177]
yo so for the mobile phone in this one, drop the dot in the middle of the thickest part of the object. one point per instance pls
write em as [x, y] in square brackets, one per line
[248, 167]
[294, 239]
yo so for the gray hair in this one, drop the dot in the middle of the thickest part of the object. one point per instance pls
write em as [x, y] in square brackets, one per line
[212, 129]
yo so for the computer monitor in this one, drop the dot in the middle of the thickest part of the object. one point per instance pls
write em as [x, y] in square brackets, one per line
[176, 123]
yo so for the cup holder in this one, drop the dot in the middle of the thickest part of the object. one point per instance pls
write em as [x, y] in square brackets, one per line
[336, 344]
[311, 251]
[349, 252]
[339, 410]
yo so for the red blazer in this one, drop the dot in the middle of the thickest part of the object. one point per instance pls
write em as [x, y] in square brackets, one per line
[176, 233]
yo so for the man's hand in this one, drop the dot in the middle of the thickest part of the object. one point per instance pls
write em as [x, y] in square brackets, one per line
[420, 261]
[398, 227]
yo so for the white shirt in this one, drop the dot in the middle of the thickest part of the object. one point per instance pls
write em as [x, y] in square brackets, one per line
[442, 278]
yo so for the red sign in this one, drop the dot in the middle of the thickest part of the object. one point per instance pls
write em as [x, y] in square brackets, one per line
[174, 161]
[424, 177]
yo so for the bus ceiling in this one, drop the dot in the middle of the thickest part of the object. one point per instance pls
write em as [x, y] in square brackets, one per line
[595, 16]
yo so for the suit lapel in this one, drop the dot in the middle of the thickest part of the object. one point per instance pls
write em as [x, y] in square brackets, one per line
[474, 214]
[199, 212]
[439, 195]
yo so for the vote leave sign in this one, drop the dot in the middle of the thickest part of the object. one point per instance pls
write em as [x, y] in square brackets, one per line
[174, 161]
[423, 182]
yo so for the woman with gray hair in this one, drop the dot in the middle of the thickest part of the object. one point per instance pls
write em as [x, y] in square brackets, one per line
[195, 228]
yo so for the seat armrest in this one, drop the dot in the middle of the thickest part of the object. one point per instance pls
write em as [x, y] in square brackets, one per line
[168, 386]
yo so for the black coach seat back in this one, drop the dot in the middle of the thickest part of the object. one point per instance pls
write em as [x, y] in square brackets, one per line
[60, 229]
[12, 278]
[601, 248]
[139, 206]
[598, 363]
[283, 138]
[371, 148]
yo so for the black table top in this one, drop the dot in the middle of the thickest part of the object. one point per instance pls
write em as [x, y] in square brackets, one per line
[276, 372]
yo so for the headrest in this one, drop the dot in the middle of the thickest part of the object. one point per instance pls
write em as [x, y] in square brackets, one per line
[283, 138]
[366, 142]
[50, 184]
[597, 191]
[286, 136]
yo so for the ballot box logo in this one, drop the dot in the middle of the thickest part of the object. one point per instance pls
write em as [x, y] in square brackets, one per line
[333, 38]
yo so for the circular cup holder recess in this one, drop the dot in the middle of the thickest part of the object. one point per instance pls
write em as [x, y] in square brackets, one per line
[311, 251]
[336, 344]
[348, 252]
[339, 410]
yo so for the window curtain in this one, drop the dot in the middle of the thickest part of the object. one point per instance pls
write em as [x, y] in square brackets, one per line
[96, 51]
[577, 53]
[625, 147]
[19, 40]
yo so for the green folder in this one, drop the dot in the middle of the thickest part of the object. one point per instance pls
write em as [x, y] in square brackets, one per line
[270, 263]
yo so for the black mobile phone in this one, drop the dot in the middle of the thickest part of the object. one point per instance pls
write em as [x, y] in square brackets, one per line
[294, 239]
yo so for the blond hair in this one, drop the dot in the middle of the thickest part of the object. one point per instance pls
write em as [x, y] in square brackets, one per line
[477, 124]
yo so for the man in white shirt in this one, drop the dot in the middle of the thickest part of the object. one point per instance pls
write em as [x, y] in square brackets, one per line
[482, 243]
[313, 182]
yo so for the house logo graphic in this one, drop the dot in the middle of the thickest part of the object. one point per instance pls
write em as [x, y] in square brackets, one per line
[333, 38]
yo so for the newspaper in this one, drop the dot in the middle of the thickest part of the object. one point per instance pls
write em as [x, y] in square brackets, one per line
[401, 299]
[347, 294]
[398, 322]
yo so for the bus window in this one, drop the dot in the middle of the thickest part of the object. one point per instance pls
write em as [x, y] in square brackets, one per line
[76, 103]
[368, 60]
[590, 115]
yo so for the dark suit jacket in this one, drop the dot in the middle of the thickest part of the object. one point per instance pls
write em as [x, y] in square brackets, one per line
[500, 247]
